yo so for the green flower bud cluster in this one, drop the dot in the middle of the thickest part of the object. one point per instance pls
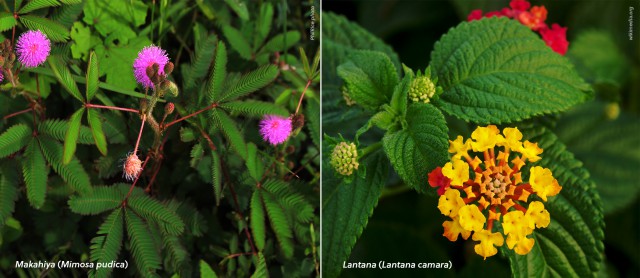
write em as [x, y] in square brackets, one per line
[344, 158]
[422, 89]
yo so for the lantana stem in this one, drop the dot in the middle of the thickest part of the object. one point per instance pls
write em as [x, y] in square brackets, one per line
[302, 96]
[89, 105]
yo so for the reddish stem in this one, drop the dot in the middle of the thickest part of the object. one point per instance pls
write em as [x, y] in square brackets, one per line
[213, 105]
[17, 113]
[144, 164]
[302, 96]
[135, 150]
[89, 105]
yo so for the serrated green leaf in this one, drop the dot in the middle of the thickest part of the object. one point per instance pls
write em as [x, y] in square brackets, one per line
[216, 176]
[71, 137]
[399, 98]
[502, 76]
[14, 139]
[239, 7]
[152, 210]
[72, 173]
[105, 247]
[370, 78]
[598, 59]
[103, 198]
[7, 21]
[281, 42]
[219, 73]
[254, 108]
[251, 82]
[231, 132]
[420, 147]
[571, 246]
[62, 73]
[38, 4]
[34, 169]
[206, 271]
[257, 220]
[237, 41]
[8, 191]
[143, 250]
[54, 31]
[346, 208]
[93, 72]
[95, 123]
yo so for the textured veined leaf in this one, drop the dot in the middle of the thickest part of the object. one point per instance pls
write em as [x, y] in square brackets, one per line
[34, 169]
[93, 74]
[279, 223]
[254, 108]
[369, 77]
[143, 250]
[571, 246]
[257, 220]
[57, 128]
[13, 139]
[106, 246]
[72, 172]
[151, 209]
[420, 147]
[231, 132]
[206, 271]
[251, 82]
[8, 190]
[201, 61]
[237, 41]
[38, 4]
[346, 209]
[95, 123]
[239, 7]
[7, 21]
[263, 24]
[261, 267]
[53, 30]
[71, 137]
[103, 198]
[496, 70]
[62, 73]
[282, 42]
[219, 73]
[216, 176]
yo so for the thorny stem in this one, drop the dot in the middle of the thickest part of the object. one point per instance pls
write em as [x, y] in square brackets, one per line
[213, 105]
[17, 113]
[89, 105]
[302, 96]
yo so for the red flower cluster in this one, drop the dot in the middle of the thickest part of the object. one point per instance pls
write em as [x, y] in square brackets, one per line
[534, 18]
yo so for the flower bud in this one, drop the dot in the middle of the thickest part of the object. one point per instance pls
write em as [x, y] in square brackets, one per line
[168, 68]
[612, 111]
[297, 121]
[150, 72]
[344, 158]
[173, 89]
[168, 108]
[422, 89]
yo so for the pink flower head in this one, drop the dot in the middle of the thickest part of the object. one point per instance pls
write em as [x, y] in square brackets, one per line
[474, 15]
[520, 5]
[148, 56]
[556, 38]
[33, 48]
[275, 129]
[132, 167]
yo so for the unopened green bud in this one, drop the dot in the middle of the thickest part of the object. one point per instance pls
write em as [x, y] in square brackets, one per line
[422, 89]
[612, 111]
[344, 158]
[172, 89]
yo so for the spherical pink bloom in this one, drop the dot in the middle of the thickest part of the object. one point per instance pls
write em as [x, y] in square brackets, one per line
[148, 56]
[33, 48]
[132, 167]
[556, 38]
[275, 129]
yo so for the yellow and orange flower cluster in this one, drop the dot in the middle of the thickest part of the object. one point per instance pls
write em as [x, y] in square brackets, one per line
[493, 190]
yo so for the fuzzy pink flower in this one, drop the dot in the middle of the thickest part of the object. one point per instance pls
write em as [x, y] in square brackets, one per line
[33, 48]
[556, 38]
[132, 167]
[147, 57]
[275, 129]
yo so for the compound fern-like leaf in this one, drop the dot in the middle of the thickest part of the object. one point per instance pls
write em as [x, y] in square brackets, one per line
[14, 139]
[34, 169]
[106, 246]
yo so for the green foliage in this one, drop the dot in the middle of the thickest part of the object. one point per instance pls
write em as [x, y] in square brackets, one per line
[279, 223]
[206, 271]
[502, 77]
[73, 173]
[7, 21]
[34, 169]
[152, 210]
[253, 108]
[238, 42]
[58, 128]
[63, 75]
[143, 249]
[251, 82]
[216, 177]
[103, 198]
[33, 5]
[106, 246]
[219, 73]
[92, 76]
[257, 220]
[8, 191]
[231, 132]
[71, 137]
[14, 139]
[54, 31]
[95, 123]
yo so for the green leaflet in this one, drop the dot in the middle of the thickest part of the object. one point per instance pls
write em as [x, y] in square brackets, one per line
[7, 21]
[206, 271]
[53, 30]
[143, 249]
[346, 208]
[237, 41]
[216, 176]
[598, 59]
[103, 198]
[281, 42]
[151, 209]
[8, 191]
[609, 149]
[58, 128]
[92, 76]
[34, 169]
[62, 73]
[261, 267]
[33, 5]
[369, 77]
[239, 7]
[254, 162]
[219, 73]
[571, 246]
[263, 23]
[71, 137]
[13, 139]
[502, 76]
[254, 108]
[251, 82]
[257, 220]
[201, 63]
[231, 132]
[279, 223]
[72, 172]
[95, 122]
[105, 247]
[420, 146]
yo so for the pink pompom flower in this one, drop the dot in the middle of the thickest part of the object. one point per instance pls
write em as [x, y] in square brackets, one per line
[275, 129]
[33, 48]
[132, 167]
[148, 56]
